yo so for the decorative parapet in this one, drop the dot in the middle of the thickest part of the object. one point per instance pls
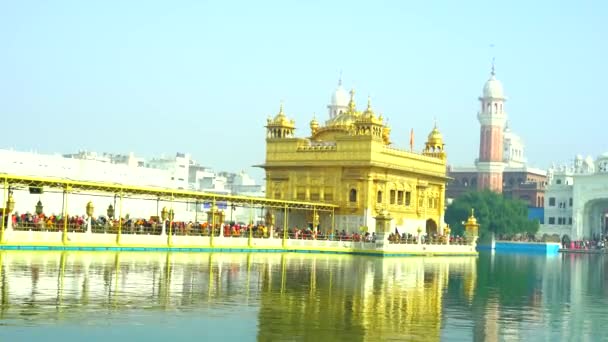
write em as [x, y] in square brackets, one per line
[409, 154]
[318, 146]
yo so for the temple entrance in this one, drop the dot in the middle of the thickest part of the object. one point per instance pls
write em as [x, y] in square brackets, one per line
[594, 219]
[431, 227]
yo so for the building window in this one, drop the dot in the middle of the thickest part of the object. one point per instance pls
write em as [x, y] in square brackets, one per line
[392, 199]
[328, 196]
[570, 202]
[559, 181]
[400, 197]
[570, 220]
[552, 201]
[551, 220]
[314, 196]
[277, 195]
[379, 197]
[352, 196]
[408, 198]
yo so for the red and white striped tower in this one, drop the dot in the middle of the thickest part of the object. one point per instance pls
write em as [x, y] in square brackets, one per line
[492, 118]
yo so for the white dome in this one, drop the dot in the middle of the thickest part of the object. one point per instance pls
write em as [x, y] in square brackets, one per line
[493, 88]
[340, 97]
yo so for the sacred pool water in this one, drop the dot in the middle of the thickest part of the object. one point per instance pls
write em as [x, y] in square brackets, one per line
[141, 296]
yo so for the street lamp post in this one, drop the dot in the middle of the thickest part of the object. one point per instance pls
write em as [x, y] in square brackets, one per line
[171, 217]
[10, 206]
[163, 216]
[196, 211]
[89, 209]
[39, 208]
[110, 213]
[232, 209]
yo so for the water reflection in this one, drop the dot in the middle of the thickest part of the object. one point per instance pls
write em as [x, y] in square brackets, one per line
[316, 296]
[304, 295]
[370, 299]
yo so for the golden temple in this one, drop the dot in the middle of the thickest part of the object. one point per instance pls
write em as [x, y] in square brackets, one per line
[350, 162]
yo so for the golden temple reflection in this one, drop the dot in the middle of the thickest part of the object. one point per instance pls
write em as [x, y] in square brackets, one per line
[335, 291]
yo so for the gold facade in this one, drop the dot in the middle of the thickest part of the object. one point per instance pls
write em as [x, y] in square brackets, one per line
[350, 162]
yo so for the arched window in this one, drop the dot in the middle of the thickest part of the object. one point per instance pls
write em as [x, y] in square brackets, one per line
[474, 182]
[496, 108]
[352, 196]
[379, 197]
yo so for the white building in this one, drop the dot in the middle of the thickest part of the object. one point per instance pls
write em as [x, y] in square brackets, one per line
[163, 172]
[577, 199]
[178, 168]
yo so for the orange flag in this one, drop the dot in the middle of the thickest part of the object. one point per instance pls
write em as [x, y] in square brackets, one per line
[412, 140]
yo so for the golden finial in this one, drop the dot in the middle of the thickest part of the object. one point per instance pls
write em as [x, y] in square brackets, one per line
[351, 103]
[472, 212]
[369, 103]
[281, 108]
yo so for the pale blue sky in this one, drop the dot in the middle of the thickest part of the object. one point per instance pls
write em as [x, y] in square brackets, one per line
[158, 77]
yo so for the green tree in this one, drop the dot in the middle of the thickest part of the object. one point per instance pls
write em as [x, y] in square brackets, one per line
[494, 213]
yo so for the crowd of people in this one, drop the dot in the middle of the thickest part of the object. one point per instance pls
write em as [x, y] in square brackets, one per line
[596, 242]
[154, 226]
[433, 239]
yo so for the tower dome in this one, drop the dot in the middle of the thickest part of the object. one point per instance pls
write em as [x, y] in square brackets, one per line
[493, 87]
[340, 96]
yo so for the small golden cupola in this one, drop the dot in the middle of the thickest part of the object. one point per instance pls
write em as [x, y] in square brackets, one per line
[434, 145]
[280, 127]
[386, 134]
[369, 113]
[314, 126]
[369, 125]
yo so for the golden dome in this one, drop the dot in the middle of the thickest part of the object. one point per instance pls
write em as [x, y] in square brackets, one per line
[314, 123]
[435, 137]
[369, 112]
[472, 221]
[281, 119]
